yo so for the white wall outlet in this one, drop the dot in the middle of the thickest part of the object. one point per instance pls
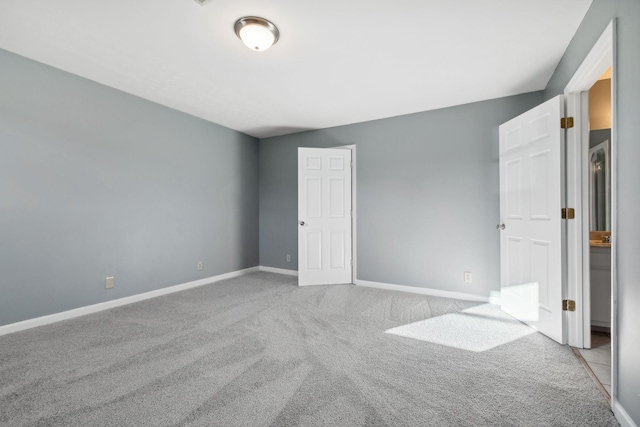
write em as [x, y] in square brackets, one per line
[109, 282]
[468, 277]
[288, 257]
[199, 265]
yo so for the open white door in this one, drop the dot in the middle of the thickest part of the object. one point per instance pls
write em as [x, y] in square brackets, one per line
[531, 199]
[324, 216]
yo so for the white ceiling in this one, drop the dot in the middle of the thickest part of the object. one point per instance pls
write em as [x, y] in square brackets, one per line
[337, 61]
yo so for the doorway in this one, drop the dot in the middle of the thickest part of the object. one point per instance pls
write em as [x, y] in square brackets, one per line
[583, 241]
[596, 354]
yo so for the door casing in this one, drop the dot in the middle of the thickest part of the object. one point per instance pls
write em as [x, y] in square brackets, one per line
[600, 58]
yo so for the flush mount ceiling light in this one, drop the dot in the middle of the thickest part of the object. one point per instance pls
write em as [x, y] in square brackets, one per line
[256, 33]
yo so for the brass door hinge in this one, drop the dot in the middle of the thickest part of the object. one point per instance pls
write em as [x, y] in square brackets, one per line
[568, 305]
[566, 122]
[568, 213]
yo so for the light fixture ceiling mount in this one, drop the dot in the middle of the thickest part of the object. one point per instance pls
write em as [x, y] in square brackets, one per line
[256, 33]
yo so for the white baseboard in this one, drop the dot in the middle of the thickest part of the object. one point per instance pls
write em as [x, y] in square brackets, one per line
[94, 308]
[494, 299]
[279, 270]
[424, 291]
[622, 416]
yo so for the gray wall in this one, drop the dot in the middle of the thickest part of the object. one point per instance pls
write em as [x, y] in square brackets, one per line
[95, 182]
[598, 136]
[427, 195]
[627, 240]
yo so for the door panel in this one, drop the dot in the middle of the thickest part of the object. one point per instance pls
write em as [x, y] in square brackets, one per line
[540, 266]
[513, 209]
[314, 197]
[540, 175]
[337, 249]
[336, 198]
[324, 216]
[314, 250]
[531, 198]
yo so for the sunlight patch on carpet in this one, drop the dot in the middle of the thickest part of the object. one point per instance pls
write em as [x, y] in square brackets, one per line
[477, 329]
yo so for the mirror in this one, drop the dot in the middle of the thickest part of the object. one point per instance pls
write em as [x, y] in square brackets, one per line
[600, 187]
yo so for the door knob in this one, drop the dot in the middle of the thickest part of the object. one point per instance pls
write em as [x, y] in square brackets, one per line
[301, 222]
[501, 226]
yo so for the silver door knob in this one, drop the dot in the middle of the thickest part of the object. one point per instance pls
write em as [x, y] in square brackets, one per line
[301, 222]
[501, 226]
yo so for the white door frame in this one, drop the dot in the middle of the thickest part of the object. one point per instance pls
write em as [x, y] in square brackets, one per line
[354, 216]
[601, 57]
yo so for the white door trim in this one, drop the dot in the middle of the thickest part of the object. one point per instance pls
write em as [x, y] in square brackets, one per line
[601, 57]
[354, 217]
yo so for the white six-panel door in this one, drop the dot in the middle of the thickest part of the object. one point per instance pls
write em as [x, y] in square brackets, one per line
[324, 216]
[531, 199]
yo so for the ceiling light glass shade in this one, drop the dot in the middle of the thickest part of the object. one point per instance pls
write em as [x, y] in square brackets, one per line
[256, 33]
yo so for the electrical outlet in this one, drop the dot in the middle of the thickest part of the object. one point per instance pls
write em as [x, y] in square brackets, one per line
[288, 257]
[199, 265]
[109, 282]
[468, 277]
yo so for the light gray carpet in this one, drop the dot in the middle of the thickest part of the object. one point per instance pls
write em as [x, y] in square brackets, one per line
[259, 351]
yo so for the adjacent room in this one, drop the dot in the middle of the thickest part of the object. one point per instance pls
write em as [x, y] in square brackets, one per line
[301, 214]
